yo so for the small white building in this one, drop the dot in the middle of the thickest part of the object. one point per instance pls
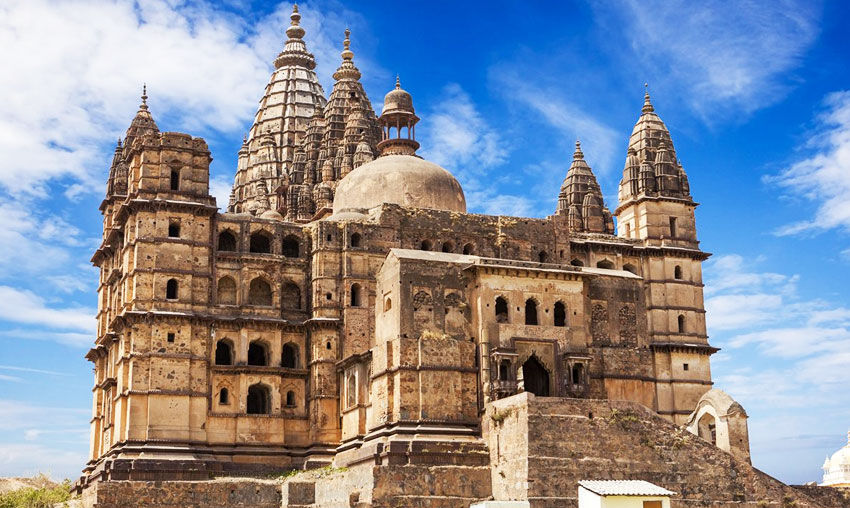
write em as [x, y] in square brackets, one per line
[622, 494]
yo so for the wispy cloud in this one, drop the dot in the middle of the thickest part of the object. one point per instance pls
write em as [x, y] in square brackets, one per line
[555, 106]
[823, 178]
[32, 309]
[731, 57]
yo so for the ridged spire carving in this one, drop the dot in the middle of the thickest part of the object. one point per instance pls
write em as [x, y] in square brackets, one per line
[580, 198]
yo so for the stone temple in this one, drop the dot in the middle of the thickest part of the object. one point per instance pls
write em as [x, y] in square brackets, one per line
[346, 312]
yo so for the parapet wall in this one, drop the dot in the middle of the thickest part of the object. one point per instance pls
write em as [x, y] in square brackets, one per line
[207, 494]
[541, 447]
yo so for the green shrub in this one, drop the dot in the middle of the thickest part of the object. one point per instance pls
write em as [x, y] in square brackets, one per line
[37, 497]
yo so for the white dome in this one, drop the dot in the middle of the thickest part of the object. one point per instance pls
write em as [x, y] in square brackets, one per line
[836, 469]
[405, 180]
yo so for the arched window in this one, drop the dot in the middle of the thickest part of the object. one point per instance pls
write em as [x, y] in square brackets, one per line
[223, 352]
[388, 304]
[226, 291]
[677, 272]
[469, 249]
[352, 390]
[289, 356]
[501, 310]
[261, 242]
[448, 247]
[355, 240]
[226, 241]
[535, 377]
[355, 295]
[576, 262]
[681, 323]
[259, 399]
[291, 247]
[605, 264]
[543, 257]
[174, 229]
[259, 293]
[560, 314]
[175, 179]
[171, 289]
[291, 296]
[258, 354]
[425, 245]
[530, 312]
[290, 399]
[223, 396]
[578, 374]
[630, 268]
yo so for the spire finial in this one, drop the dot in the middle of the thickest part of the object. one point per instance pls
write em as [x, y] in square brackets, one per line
[295, 31]
[397, 82]
[578, 154]
[347, 54]
[144, 105]
[647, 105]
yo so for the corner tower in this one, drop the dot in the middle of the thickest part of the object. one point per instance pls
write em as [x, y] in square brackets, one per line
[656, 211]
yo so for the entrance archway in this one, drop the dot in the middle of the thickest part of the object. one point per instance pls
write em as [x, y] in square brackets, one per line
[535, 377]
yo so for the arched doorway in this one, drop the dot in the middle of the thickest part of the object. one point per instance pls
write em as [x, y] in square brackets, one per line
[535, 377]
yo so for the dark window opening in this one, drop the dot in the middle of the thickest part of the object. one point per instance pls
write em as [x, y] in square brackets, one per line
[259, 293]
[501, 310]
[504, 370]
[605, 264]
[469, 249]
[175, 179]
[170, 337]
[578, 374]
[448, 247]
[530, 312]
[355, 240]
[171, 289]
[328, 345]
[174, 229]
[226, 241]
[685, 366]
[535, 378]
[258, 354]
[290, 399]
[425, 245]
[223, 396]
[543, 257]
[261, 243]
[355, 295]
[630, 268]
[291, 247]
[673, 229]
[289, 357]
[223, 353]
[576, 262]
[560, 314]
[677, 272]
[681, 323]
[258, 400]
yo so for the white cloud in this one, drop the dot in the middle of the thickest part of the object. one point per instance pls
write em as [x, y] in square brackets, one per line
[824, 177]
[30, 308]
[457, 136]
[730, 57]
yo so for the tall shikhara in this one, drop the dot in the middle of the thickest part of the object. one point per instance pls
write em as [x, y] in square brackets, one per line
[301, 145]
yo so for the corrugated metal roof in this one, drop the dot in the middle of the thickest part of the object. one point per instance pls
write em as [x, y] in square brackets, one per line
[624, 488]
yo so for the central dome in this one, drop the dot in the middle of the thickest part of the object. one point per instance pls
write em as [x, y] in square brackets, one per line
[404, 180]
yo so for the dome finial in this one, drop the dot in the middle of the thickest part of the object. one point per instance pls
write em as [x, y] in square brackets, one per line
[647, 105]
[397, 82]
[578, 154]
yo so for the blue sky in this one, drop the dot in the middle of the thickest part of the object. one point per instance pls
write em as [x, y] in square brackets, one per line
[756, 96]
